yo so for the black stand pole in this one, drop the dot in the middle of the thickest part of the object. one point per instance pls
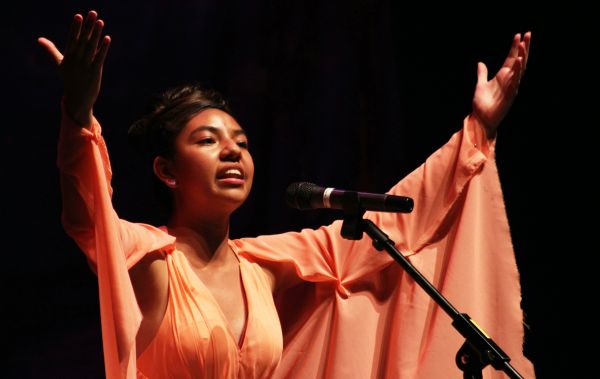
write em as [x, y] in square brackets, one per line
[479, 349]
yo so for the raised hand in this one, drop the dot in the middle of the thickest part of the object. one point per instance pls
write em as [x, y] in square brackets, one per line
[81, 65]
[493, 98]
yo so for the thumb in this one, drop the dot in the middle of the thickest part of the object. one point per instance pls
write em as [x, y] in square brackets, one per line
[482, 73]
[51, 49]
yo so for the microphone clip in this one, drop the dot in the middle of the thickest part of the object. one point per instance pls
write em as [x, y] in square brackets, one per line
[352, 228]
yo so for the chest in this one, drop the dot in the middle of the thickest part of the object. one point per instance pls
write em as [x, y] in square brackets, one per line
[227, 290]
[201, 307]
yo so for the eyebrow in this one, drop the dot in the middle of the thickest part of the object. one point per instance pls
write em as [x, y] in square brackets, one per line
[216, 130]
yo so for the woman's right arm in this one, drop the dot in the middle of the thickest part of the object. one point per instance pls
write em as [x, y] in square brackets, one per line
[83, 162]
[111, 245]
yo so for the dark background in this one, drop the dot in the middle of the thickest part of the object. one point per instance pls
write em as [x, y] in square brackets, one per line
[349, 94]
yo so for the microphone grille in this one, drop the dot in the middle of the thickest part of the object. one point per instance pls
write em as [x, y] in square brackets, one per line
[298, 195]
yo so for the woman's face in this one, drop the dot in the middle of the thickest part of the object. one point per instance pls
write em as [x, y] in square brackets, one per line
[212, 164]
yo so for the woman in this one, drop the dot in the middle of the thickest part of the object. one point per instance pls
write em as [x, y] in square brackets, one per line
[184, 300]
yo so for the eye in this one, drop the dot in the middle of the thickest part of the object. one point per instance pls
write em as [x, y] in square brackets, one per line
[243, 144]
[206, 141]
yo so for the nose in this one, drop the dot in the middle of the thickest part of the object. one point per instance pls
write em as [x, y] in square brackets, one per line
[231, 151]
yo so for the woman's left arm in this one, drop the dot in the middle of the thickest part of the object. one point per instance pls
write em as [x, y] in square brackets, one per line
[436, 186]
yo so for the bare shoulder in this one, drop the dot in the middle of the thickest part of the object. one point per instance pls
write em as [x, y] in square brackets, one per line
[149, 278]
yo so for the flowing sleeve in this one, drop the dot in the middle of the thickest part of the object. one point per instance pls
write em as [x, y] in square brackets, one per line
[110, 244]
[359, 315]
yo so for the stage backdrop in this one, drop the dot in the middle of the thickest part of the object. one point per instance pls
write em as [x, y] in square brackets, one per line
[348, 94]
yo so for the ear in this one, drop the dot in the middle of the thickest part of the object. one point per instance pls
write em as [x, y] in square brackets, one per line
[162, 169]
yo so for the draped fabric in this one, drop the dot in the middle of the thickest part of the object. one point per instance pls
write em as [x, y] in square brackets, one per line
[356, 313]
[195, 339]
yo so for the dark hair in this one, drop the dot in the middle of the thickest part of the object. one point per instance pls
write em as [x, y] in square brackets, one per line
[154, 134]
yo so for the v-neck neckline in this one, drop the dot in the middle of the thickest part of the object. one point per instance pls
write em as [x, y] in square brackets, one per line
[241, 343]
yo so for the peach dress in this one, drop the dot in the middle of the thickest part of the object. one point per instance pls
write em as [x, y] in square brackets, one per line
[357, 315]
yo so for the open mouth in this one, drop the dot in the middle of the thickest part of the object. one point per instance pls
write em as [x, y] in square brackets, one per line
[231, 175]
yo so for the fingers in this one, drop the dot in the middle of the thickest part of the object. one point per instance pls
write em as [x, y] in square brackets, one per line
[518, 71]
[80, 33]
[88, 26]
[80, 46]
[523, 55]
[514, 48]
[74, 33]
[84, 38]
[515, 79]
[513, 52]
[482, 73]
[525, 45]
[51, 49]
[92, 45]
[101, 55]
[516, 59]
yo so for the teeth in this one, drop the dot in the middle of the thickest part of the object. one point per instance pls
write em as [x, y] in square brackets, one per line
[233, 171]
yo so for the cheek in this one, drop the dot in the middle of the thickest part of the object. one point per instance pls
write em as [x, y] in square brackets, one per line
[196, 167]
[250, 166]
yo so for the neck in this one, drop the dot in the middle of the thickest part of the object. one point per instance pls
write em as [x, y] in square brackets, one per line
[204, 242]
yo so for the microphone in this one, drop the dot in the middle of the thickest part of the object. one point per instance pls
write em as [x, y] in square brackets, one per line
[303, 195]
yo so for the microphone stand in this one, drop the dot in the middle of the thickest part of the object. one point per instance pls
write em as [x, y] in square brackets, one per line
[479, 349]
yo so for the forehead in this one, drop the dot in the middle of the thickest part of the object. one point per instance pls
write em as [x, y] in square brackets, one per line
[212, 117]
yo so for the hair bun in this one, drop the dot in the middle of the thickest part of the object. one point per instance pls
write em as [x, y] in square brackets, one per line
[154, 134]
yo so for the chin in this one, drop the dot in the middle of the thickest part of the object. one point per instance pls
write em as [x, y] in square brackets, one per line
[234, 200]
[231, 197]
